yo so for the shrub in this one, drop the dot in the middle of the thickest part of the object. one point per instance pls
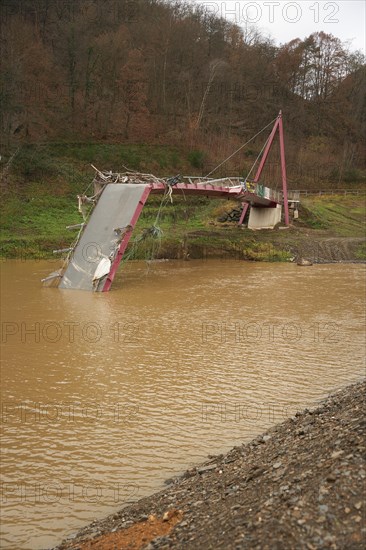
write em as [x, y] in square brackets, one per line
[196, 158]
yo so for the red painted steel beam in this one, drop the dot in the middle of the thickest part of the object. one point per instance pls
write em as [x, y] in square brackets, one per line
[266, 150]
[199, 189]
[187, 189]
[125, 240]
[208, 190]
[278, 125]
[283, 170]
[245, 209]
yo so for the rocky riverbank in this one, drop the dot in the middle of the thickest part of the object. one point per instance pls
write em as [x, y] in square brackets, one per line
[300, 485]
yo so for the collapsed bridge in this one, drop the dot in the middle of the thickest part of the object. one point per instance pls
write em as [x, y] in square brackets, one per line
[119, 199]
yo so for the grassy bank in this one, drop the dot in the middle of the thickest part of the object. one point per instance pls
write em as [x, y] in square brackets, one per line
[39, 201]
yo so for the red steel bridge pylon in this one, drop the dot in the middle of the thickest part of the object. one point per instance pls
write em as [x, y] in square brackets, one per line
[277, 126]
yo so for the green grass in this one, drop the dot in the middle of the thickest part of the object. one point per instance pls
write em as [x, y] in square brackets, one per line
[361, 252]
[39, 201]
[344, 215]
[48, 161]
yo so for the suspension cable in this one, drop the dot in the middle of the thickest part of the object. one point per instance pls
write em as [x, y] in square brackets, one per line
[258, 157]
[241, 147]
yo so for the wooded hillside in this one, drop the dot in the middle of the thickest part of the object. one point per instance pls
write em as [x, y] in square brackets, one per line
[153, 71]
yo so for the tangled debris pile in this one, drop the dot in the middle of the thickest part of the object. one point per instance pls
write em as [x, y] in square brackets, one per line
[300, 485]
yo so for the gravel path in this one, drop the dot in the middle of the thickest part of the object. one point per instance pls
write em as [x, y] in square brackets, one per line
[300, 485]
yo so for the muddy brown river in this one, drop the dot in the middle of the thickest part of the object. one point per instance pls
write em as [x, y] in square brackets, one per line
[104, 396]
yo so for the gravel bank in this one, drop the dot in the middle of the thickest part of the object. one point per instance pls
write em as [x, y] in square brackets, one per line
[299, 485]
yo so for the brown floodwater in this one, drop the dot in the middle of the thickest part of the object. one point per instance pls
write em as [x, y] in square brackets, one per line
[104, 396]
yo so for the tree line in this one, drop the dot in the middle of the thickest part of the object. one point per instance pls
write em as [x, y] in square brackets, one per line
[169, 72]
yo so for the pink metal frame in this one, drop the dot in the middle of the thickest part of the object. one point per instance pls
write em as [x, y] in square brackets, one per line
[278, 126]
[215, 191]
[125, 240]
[245, 210]
[209, 190]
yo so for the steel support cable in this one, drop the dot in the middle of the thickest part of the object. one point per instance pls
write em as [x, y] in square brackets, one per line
[241, 147]
[258, 157]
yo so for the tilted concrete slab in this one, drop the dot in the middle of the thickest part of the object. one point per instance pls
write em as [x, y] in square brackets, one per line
[114, 210]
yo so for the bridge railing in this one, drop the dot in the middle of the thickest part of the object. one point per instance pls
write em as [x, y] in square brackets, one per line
[234, 181]
[293, 196]
[307, 192]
